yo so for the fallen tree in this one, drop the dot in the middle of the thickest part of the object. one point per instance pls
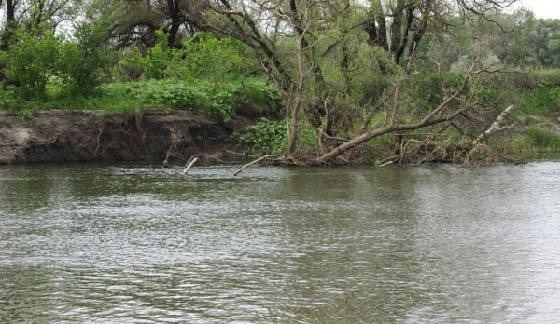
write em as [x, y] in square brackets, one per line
[325, 55]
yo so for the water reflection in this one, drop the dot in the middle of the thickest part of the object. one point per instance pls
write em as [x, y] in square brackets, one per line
[141, 244]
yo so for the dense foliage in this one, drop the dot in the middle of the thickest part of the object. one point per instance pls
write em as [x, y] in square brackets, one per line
[322, 74]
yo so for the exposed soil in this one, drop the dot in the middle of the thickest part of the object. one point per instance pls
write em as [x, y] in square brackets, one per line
[72, 136]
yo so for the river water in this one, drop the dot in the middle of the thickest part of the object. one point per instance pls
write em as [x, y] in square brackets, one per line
[142, 244]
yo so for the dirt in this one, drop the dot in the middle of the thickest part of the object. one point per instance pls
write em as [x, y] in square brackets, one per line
[72, 136]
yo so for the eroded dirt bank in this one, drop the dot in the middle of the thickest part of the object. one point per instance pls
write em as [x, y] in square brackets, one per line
[72, 136]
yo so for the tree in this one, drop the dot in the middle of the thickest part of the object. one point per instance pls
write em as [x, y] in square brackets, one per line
[137, 21]
[9, 27]
[344, 63]
[29, 14]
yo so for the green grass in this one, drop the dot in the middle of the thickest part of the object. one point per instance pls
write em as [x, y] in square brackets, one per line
[542, 139]
[222, 100]
[538, 102]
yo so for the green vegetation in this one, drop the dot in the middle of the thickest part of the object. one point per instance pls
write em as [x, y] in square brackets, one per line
[67, 75]
[265, 137]
[324, 81]
[542, 139]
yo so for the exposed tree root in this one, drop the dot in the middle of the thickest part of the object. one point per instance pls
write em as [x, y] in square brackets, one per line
[98, 146]
[172, 146]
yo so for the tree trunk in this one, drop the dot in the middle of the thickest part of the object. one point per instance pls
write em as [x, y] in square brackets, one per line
[10, 15]
[292, 141]
[365, 137]
[174, 10]
[10, 25]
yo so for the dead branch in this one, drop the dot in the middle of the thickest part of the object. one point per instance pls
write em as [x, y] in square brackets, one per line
[189, 164]
[240, 154]
[437, 116]
[404, 148]
[496, 126]
[251, 163]
[387, 161]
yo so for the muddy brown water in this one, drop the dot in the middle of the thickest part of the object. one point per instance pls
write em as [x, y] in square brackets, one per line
[141, 244]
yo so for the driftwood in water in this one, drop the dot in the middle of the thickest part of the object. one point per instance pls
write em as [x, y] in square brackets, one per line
[189, 164]
[264, 157]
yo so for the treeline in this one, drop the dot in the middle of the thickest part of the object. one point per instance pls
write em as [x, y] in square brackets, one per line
[333, 76]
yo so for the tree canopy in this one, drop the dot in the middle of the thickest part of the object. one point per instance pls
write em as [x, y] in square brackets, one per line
[348, 70]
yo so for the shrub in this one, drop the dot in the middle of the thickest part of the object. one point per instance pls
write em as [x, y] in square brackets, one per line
[179, 95]
[130, 66]
[8, 98]
[265, 137]
[254, 98]
[542, 139]
[554, 94]
[31, 62]
[81, 64]
[216, 59]
[547, 78]
[158, 57]
[169, 94]
[537, 101]
[34, 61]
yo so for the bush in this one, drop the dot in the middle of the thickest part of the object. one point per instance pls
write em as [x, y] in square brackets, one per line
[8, 98]
[254, 98]
[204, 56]
[158, 57]
[426, 90]
[227, 100]
[179, 95]
[512, 148]
[554, 94]
[216, 59]
[199, 97]
[547, 78]
[542, 139]
[130, 66]
[81, 64]
[31, 62]
[536, 102]
[265, 137]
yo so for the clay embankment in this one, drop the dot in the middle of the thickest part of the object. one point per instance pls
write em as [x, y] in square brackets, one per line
[72, 136]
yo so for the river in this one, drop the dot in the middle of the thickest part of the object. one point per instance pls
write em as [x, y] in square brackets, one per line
[142, 244]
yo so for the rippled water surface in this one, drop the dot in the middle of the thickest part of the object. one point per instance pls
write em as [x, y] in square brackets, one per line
[86, 243]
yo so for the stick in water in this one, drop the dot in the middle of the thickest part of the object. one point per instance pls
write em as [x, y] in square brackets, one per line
[189, 165]
[251, 163]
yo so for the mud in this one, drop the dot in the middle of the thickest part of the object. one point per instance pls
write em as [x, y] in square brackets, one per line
[73, 136]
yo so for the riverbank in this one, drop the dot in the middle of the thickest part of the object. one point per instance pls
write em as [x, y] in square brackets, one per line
[73, 136]
[55, 136]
